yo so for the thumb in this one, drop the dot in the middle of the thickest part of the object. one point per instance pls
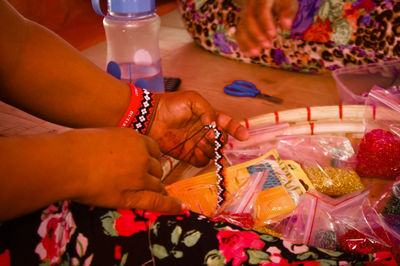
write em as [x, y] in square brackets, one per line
[232, 127]
[153, 201]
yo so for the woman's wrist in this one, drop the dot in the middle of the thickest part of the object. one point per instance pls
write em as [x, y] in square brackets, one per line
[141, 110]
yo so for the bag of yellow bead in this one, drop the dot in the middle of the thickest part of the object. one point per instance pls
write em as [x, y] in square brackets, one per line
[334, 181]
[329, 162]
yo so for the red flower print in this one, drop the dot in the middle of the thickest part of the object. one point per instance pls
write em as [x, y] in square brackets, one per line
[319, 32]
[275, 257]
[150, 216]
[50, 238]
[382, 258]
[5, 258]
[56, 230]
[306, 263]
[232, 244]
[351, 14]
[117, 252]
[126, 225]
[130, 222]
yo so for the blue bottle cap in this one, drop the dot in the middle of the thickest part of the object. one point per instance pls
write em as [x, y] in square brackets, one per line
[139, 7]
[133, 8]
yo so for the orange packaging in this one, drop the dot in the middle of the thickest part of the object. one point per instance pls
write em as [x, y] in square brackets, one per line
[200, 194]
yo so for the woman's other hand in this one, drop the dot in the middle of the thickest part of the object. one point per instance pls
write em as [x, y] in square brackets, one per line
[118, 168]
[260, 22]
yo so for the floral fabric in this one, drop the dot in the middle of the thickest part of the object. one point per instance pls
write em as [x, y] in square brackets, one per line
[73, 234]
[325, 35]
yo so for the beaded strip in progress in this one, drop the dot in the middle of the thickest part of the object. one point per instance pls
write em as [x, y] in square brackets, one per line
[219, 157]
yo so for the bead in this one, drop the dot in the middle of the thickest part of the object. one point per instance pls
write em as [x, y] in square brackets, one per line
[219, 163]
[325, 239]
[334, 181]
[269, 231]
[379, 155]
[392, 206]
[354, 241]
[244, 220]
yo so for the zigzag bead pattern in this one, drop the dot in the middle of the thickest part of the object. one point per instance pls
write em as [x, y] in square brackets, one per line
[220, 171]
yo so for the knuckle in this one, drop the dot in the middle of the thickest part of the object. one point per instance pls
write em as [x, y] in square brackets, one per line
[143, 200]
[192, 93]
[130, 199]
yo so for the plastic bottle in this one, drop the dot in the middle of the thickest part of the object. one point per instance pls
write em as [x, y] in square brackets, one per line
[132, 32]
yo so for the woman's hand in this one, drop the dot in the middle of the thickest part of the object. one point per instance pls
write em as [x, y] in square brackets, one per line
[110, 167]
[179, 116]
[260, 22]
[119, 168]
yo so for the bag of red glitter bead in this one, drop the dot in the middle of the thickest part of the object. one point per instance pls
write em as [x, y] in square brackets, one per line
[379, 150]
[347, 223]
[359, 228]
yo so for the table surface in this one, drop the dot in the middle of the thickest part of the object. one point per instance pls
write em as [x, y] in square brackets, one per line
[207, 74]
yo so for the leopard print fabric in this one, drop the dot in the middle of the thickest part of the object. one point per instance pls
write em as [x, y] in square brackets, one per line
[325, 35]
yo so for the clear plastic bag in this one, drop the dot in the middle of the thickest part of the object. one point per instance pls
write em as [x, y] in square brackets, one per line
[239, 207]
[238, 156]
[379, 150]
[329, 162]
[272, 191]
[259, 137]
[355, 82]
[359, 228]
[334, 151]
[347, 223]
[261, 140]
[200, 192]
[388, 207]
[385, 106]
[310, 223]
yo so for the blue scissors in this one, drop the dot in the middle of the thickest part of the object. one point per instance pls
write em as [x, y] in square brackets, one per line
[242, 88]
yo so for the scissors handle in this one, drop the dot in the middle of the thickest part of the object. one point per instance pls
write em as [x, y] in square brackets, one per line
[239, 91]
[244, 83]
[241, 88]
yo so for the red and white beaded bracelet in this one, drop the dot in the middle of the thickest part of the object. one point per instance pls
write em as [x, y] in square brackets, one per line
[140, 110]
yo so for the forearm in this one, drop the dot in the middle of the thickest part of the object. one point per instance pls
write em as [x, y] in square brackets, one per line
[33, 175]
[49, 78]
